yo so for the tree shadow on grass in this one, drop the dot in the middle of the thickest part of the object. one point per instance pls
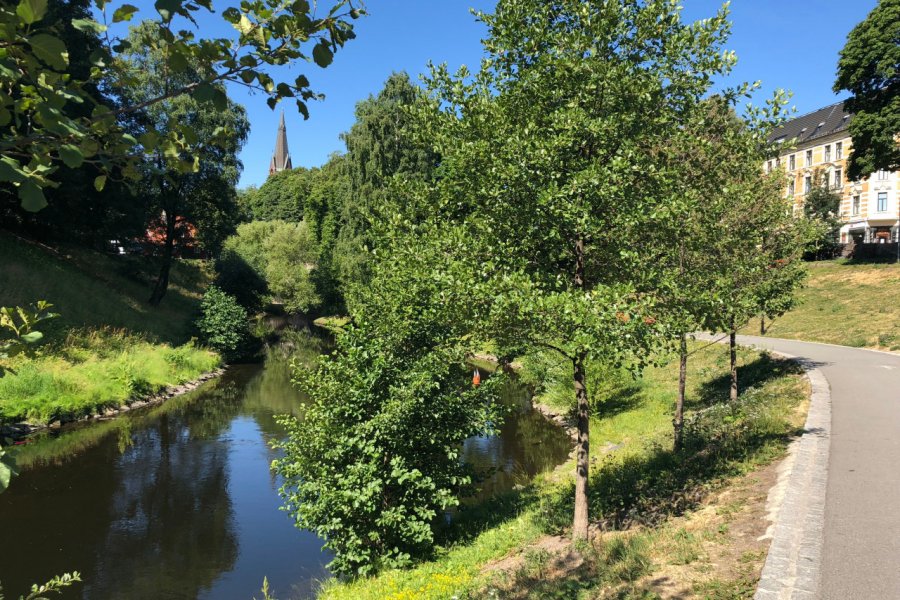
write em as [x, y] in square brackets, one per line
[650, 486]
[763, 369]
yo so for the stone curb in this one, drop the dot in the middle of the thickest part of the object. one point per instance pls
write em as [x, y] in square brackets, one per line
[793, 565]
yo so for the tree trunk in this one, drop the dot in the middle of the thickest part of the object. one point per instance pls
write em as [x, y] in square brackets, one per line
[162, 281]
[580, 519]
[762, 324]
[732, 343]
[582, 457]
[678, 421]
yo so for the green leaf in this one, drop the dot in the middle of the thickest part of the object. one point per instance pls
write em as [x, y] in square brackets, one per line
[166, 8]
[124, 13]
[88, 25]
[11, 170]
[204, 92]
[100, 183]
[323, 55]
[50, 49]
[6, 474]
[71, 155]
[32, 337]
[32, 196]
[31, 11]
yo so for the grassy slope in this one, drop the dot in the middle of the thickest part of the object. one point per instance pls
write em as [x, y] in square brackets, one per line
[636, 475]
[847, 304]
[108, 344]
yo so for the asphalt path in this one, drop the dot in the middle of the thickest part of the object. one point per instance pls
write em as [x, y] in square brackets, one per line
[861, 552]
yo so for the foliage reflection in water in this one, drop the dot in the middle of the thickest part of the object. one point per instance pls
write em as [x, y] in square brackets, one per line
[177, 501]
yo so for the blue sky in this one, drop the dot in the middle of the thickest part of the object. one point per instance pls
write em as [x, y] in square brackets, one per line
[787, 44]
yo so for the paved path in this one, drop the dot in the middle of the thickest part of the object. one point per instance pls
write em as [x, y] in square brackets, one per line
[860, 558]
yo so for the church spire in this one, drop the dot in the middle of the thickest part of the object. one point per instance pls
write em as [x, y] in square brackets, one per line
[281, 158]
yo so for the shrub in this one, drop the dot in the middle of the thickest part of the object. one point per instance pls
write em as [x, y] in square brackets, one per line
[223, 323]
[375, 460]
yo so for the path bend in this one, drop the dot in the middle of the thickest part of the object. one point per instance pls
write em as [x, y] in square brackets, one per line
[859, 556]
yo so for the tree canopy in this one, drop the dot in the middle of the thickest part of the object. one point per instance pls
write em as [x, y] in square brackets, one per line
[869, 68]
[36, 92]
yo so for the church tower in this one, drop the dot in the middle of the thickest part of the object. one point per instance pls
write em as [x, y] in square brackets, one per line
[281, 158]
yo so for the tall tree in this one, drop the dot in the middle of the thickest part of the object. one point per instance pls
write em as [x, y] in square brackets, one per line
[869, 68]
[380, 146]
[548, 155]
[282, 196]
[203, 193]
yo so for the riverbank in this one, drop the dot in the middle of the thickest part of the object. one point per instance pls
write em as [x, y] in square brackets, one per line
[667, 524]
[108, 346]
[21, 430]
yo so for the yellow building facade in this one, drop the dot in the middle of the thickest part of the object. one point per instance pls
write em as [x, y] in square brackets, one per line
[816, 149]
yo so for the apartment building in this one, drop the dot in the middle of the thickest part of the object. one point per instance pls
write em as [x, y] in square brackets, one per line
[816, 147]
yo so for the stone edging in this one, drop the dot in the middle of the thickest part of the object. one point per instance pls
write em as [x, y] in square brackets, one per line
[20, 430]
[793, 564]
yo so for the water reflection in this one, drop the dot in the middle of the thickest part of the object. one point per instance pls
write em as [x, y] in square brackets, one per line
[177, 501]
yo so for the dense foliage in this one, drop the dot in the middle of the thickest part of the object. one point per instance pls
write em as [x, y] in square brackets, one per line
[271, 261]
[282, 197]
[375, 460]
[41, 129]
[222, 323]
[869, 68]
[550, 157]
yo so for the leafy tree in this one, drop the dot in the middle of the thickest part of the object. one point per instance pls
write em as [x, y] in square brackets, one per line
[822, 207]
[282, 196]
[375, 460]
[380, 146]
[548, 156]
[271, 260]
[869, 68]
[291, 255]
[35, 90]
[205, 194]
[222, 323]
[77, 210]
[760, 250]
[686, 231]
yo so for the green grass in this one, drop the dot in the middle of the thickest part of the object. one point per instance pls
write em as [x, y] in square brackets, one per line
[845, 303]
[108, 345]
[636, 479]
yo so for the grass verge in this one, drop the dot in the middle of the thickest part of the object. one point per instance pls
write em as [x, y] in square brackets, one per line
[640, 489]
[845, 303]
[108, 345]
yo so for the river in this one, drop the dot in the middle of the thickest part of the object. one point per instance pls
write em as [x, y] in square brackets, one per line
[177, 501]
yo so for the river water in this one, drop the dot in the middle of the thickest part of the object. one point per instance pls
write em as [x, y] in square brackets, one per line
[177, 501]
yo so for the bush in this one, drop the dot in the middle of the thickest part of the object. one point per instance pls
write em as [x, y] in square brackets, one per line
[223, 323]
[375, 460]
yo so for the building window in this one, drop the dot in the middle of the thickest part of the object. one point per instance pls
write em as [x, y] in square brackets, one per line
[838, 150]
[807, 184]
[855, 205]
[769, 167]
[828, 153]
[792, 161]
[825, 180]
[778, 163]
[791, 187]
[882, 175]
[809, 158]
[838, 182]
[882, 201]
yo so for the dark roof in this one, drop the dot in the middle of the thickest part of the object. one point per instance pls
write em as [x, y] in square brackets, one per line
[816, 124]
